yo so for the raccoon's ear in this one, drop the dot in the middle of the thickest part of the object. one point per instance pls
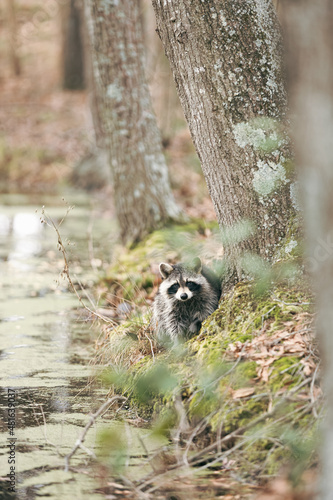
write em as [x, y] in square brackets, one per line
[165, 270]
[197, 265]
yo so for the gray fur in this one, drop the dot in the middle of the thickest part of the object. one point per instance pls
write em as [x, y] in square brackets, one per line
[179, 312]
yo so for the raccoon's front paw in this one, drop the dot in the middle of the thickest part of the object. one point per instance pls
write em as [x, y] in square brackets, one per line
[195, 327]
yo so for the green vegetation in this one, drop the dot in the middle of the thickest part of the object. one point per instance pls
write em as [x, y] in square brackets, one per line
[245, 388]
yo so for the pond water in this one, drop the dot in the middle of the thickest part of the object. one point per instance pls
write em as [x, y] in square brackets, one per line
[46, 346]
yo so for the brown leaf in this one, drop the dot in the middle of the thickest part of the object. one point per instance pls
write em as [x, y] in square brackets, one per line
[266, 362]
[242, 393]
[307, 370]
[232, 348]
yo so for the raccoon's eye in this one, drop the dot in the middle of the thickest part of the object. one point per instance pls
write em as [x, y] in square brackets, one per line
[194, 287]
[173, 289]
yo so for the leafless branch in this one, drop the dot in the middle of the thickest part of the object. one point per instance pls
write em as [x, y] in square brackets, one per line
[50, 222]
[92, 420]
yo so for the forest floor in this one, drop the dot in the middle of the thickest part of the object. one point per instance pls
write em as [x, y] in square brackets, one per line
[44, 132]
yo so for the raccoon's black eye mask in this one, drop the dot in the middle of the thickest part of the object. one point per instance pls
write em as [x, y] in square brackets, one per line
[173, 289]
[191, 285]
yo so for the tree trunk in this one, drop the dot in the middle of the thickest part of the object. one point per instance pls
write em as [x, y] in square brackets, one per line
[72, 48]
[226, 60]
[143, 197]
[12, 26]
[160, 80]
[93, 170]
[310, 39]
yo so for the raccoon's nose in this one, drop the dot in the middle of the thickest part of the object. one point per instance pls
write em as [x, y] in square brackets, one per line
[183, 296]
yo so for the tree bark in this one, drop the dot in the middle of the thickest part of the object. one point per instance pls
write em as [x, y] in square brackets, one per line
[226, 60]
[143, 196]
[309, 27]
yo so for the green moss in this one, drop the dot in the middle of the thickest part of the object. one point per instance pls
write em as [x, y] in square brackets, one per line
[243, 374]
[203, 404]
[241, 314]
[165, 421]
[241, 413]
[283, 373]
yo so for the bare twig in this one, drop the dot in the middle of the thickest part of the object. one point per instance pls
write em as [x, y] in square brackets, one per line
[289, 303]
[183, 425]
[151, 344]
[45, 430]
[196, 431]
[149, 458]
[219, 436]
[315, 414]
[200, 456]
[190, 471]
[87, 451]
[92, 420]
[216, 380]
[50, 222]
[264, 315]
[84, 291]
[130, 483]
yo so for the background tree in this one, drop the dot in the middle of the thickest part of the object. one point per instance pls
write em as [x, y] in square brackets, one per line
[226, 60]
[72, 46]
[310, 34]
[12, 26]
[159, 76]
[143, 197]
[92, 171]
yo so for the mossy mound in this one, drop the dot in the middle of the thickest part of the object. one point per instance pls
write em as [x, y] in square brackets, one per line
[242, 316]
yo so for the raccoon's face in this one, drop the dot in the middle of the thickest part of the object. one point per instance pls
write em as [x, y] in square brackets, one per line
[181, 283]
[183, 290]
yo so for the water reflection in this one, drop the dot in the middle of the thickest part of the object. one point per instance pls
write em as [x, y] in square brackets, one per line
[25, 224]
[23, 231]
[5, 225]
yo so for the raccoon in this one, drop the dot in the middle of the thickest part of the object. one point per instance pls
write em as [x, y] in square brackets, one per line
[186, 296]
